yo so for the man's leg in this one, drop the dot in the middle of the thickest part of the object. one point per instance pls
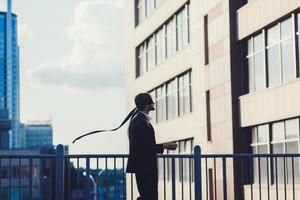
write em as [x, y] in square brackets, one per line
[152, 187]
[140, 179]
[147, 186]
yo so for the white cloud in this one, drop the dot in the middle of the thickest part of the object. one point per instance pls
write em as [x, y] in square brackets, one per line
[24, 31]
[96, 58]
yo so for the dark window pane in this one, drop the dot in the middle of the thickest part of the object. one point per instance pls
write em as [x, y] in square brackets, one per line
[254, 135]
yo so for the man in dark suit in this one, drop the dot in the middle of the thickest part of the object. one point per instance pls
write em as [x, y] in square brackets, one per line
[143, 149]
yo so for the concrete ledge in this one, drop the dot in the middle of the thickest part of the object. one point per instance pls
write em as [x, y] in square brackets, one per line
[273, 104]
[258, 13]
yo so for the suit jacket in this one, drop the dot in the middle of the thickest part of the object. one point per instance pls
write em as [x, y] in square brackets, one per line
[142, 146]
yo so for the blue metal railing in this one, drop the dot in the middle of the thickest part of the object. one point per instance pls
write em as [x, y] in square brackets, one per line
[195, 176]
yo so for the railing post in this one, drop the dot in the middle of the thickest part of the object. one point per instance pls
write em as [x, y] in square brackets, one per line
[173, 179]
[59, 173]
[197, 168]
[87, 179]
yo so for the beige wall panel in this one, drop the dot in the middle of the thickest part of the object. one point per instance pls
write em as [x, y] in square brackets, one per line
[166, 131]
[218, 29]
[259, 13]
[219, 71]
[272, 104]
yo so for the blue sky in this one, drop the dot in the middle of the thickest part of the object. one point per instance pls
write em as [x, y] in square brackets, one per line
[71, 62]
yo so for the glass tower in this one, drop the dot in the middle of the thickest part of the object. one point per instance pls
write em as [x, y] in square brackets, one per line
[9, 71]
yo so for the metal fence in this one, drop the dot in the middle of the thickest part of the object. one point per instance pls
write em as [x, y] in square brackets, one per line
[195, 176]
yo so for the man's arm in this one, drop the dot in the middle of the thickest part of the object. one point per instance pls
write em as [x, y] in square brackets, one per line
[144, 140]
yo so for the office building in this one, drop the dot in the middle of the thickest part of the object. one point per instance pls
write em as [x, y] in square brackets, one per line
[5, 126]
[225, 75]
[35, 134]
[27, 178]
[9, 70]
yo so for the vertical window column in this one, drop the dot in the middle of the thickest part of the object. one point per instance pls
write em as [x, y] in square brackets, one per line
[208, 120]
[206, 48]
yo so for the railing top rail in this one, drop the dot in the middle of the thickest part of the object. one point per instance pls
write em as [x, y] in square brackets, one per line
[96, 156]
[176, 156]
[126, 156]
[249, 155]
[33, 156]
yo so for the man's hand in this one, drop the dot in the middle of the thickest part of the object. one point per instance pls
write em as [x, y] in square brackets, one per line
[170, 145]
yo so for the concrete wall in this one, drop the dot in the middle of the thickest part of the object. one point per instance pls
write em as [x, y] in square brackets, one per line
[259, 13]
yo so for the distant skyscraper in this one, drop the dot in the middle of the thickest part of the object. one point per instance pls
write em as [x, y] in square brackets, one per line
[35, 134]
[9, 70]
[5, 126]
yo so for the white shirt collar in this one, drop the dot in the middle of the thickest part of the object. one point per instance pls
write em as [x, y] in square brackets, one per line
[147, 116]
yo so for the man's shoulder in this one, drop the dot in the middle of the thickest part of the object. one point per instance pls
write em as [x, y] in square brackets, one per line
[138, 119]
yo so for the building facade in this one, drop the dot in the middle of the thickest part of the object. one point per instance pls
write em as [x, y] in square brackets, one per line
[224, 74]
[9, 70]
[21, 178]
[5, 126]
[35, 134]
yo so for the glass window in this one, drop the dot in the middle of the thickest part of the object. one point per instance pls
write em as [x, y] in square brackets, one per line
[184, 94]
[150, 7]
[278, 131]
[260, 139]
[171, 99]
[292, 147]
[142, 60]
[179, 19]
[281, 58]
[259, 71]
[274, 72]
[292, 129]
[141, 9]
[273, 35]
[287, 56]
[151, 53]
[160, 45]
[251, 74]
[263, 133]
[171, 37]
[153, 113]
[258, 42]
[256, 63]
[160, 104]
[186, 25]
[286, 28]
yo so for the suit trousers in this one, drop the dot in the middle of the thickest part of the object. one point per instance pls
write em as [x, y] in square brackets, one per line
[147, 184]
